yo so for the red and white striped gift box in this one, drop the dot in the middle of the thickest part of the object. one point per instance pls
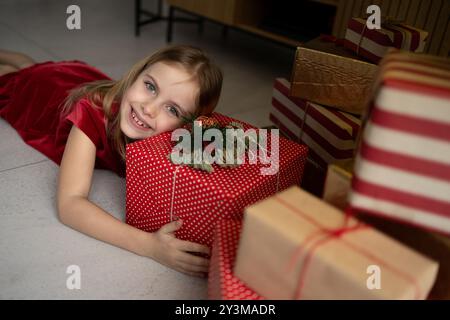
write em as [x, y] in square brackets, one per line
[330, 134]
[373, 44]
[222, 284]
[402, 170]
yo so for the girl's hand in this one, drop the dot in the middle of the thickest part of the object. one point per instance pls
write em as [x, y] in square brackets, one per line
[176, 253]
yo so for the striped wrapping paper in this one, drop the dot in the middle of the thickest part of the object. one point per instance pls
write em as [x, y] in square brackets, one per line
[373, 44]
[330, 134]
[402, 169]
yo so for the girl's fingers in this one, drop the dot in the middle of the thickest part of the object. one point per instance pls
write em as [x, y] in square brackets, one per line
[193, 260]
[171, 226]
[192, 268]
[192, 247]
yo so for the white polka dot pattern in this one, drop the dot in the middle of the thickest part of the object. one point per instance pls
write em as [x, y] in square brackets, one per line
[222, 284]
[199, 198]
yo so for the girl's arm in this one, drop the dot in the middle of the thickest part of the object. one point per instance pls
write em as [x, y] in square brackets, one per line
[77, 212]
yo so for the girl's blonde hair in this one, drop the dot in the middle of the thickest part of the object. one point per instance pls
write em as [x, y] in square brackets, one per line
[105, 93]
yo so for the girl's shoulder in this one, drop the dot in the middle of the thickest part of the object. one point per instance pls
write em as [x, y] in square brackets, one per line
[89, 118]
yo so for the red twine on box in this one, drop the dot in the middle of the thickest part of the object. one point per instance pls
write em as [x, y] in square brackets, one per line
[387, 21]
[361, 39]
[303, 121]
[328, 235]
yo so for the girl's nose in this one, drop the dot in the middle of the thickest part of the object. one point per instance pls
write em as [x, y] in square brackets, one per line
[150, 109]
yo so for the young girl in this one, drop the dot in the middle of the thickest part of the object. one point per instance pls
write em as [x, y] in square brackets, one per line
[81, 119]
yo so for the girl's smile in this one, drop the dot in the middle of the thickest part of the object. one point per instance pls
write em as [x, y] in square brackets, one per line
[137, 121]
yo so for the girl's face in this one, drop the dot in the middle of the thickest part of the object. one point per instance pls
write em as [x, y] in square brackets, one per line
[157, 100]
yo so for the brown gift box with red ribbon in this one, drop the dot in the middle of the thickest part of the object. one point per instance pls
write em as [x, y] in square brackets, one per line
[295, 246]
[431, 244]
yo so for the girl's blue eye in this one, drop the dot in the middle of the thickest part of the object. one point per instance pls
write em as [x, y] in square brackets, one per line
[150, 86]
[173, 110]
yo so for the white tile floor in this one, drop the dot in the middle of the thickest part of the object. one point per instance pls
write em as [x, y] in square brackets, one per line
[35, 248]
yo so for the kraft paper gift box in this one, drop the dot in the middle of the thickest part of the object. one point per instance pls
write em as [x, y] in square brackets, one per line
[159, 191]
[295, 246]
[402, 168]
[326, 74]
[337, 184]
[330, 134]
[433, 245]
[373, 44]
[222, 284]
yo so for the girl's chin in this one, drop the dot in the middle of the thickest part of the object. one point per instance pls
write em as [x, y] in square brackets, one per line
[135, 136]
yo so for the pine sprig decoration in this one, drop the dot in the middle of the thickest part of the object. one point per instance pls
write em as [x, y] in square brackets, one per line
[221, 153]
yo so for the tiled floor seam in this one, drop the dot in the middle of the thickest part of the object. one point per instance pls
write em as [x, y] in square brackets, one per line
[54, 56]
[23, 166]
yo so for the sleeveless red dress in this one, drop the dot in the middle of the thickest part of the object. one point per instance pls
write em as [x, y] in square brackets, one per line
[30, 101]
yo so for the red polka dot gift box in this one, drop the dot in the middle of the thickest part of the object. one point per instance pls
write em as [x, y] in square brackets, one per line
[222, 284]
[160, 191]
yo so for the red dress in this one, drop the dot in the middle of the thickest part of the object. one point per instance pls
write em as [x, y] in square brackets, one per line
[30, 101]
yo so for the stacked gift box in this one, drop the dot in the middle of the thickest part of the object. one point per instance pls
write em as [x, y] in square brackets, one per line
[402, 169]
[321, 105]
[373, 44]
[329, 89]
[329, 133]
[390, 215]
[294, 245]
[401, 176]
